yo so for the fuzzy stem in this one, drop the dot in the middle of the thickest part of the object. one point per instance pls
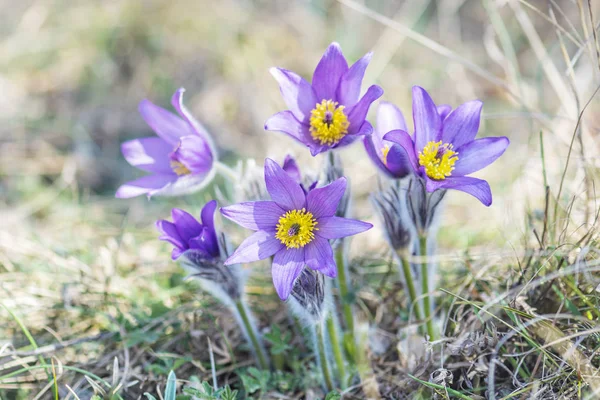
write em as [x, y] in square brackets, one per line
[410, 284]
[337, 349]
[425, 288]
[322, 353]
[226, 172]
[253, 335]
[344, 284]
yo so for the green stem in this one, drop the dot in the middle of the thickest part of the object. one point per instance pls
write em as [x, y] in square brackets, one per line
[226, 172]
[344, 284]
[322, 353]
[252, 334]
[410, 284]
[337, 350]
[425, 288]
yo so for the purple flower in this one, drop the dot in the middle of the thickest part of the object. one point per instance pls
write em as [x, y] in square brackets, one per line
[295, 227]
[328, 113]
[180, 159]
[387, 156]
[186, 233]
[444, 149]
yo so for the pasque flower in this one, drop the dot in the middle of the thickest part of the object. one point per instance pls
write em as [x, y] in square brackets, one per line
[295, 227]
[186, 233]
[388, 156]
[328, 113]
[444, 149]
[181, 159]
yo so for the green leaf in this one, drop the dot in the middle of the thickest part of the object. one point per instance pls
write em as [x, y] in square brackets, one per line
[170, 390]
[333, 396]
[148, 396]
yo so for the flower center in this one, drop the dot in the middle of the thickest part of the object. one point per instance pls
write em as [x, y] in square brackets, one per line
[384, 151]
[179, 168]
[438, 159]
[295, 228]
[328, 123]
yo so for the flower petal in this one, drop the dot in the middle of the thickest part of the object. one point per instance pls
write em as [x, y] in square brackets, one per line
[478, 154]
[337, 227]
[169, 233]
[398, 161]
[186, 224]
[348, 90]
[428, 124]
[184, 184]
[365, 131]
[144, 185]
[324, 201]
[284, 191]
[329, 72]
[444, 110]
[149, 154]
[255, 215]
[291, 167]
[462, 124]
[166, 124]
[207, 216]
[297, 93]
[194, 153]
[177, 102]
[319, 256]
[205, 243]
[257, 246]
[389, 118]
[285, 122]
[477, 188]
[358, 112]
[287, 266]
[375, 154]
[404, 140]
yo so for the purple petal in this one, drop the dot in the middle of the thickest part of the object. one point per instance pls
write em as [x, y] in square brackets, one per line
[205, 243]
[285, 122]
[186, 224]
[297, 93]
[348, 91]
[389, 118]
[258, 246]
[194, 153]
[358, 112]
[478, 154]
[207, 216]
[398, 161]
[291, 167]
[375, 154]
[169, 233]
[329, 72]
[444, 110]
[255, 215]
[337, 227]
[428, 123]
[324, 201]
[365, 130]
[144, 185]
[184, 184]
[177, 102]
[462, 124]
[404, 140]
[319, 256]
[166, 124]
[149, 154]
[283, 189]
[478, 188]
[287, 266]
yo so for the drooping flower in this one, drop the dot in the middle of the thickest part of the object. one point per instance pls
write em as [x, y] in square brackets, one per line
[180, 159]
[444, 149]
[386, 155]
[308, 293]
[391, 205]
[328, 113]
[186, 233]
[295, 227]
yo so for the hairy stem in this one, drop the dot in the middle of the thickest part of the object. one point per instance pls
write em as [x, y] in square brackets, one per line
[344, 284]
[322, 354]
[425, 288]
[337, 350]
[252, 335]
[410, 284]
[226, 172]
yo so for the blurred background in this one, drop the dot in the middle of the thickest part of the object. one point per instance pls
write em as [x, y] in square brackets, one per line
[73, 73]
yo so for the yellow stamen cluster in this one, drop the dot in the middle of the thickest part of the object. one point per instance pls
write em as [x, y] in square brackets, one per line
[328, 123]
[385, 150]
[438, 160]
[295, 228]
[179, 168]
